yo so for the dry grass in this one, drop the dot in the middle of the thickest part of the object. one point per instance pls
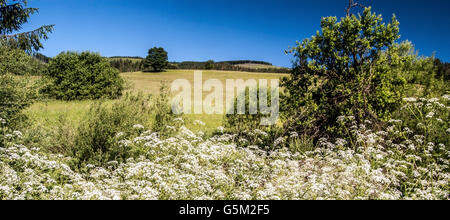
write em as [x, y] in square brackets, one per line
[47, 113]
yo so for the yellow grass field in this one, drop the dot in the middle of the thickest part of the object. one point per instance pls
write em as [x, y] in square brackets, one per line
[47, 112]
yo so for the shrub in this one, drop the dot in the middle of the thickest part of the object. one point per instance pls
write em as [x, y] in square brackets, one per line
[96, 139]
[79, 76]
[17, 62]
[351, 67]
[163, 117]
[16, 94]
[247, 128]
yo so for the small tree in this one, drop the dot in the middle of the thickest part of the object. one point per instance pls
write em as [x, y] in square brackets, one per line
[12, 17]
[157, 59]
[351, 67]
[78, 76]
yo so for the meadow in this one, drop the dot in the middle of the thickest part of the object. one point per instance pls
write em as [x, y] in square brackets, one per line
[362, 116]
[47, 112]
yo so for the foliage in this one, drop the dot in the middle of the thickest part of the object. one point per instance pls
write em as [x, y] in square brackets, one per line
[127, 64]
[157, 59]
[16, 92]
[96, 138]
[246, 128]
[443, 70]
[13, 15]
[229, 66]
[15, 96]
[17, 62]
[78, 76]
[209, 65]
[429, 118]
[164, 119]
[351, 67]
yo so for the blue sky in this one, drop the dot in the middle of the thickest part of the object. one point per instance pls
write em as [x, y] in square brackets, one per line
[197, 30]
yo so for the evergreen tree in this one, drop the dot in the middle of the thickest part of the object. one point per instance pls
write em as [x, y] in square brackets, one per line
[13, 15]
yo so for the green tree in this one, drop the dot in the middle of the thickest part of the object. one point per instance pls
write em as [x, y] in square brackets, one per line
[13, 15]
[209, 65]
[78, 76]
[157, 59]
[351, 67]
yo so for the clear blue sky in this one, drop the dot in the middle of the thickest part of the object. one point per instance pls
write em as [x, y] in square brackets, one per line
[197, 30]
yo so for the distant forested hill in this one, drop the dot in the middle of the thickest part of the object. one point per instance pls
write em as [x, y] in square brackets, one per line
[136, 63]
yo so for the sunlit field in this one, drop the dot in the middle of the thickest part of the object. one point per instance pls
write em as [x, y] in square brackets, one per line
[278, 111]
[48, 112]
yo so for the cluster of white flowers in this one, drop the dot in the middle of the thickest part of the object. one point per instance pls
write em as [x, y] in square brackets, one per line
[200, 123]
[187, 166]
[138, 126]
[410, 99]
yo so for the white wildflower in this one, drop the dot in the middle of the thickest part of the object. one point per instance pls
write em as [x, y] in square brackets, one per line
[138, 126]
[198, 122]
[410, 100]
[294, 135]
[120, 134]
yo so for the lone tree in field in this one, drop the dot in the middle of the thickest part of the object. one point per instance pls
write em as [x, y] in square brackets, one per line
[351, 67]
[157, 59]
[13, 15]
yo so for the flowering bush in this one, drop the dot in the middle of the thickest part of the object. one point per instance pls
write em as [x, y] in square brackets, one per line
[188, 165]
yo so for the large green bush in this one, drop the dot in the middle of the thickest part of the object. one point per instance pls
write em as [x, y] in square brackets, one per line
[79, 76]
[351, 67]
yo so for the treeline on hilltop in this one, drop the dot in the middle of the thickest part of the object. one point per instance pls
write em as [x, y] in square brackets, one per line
[228, 66]
[127, 64]
[126, 57]
[135, 64]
